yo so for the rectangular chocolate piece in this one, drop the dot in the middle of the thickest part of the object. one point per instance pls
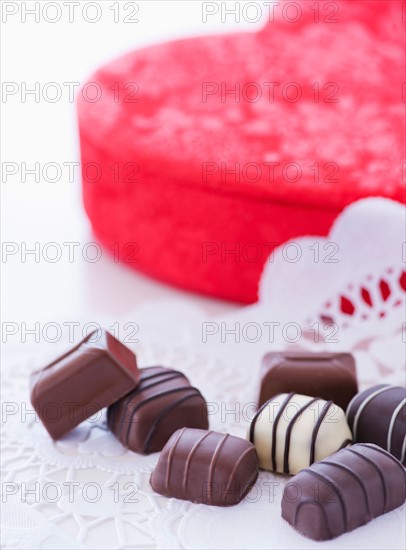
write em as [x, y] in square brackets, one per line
[206, 467]
[344, 491]
[331, 376]
[89, 377]
[163, 402]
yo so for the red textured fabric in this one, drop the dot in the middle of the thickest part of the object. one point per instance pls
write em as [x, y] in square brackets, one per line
[164, 178]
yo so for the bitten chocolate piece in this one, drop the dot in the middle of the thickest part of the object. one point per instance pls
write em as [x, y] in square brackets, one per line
[291, 431]
[343, 492]
[378, 415]
[163, 402]
[331, 376]
[89, 377]
[206, 467]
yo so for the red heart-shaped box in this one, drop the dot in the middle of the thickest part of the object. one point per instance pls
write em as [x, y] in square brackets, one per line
[199, 156]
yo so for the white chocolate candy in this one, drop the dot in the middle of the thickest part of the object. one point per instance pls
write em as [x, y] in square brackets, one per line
[291, 431]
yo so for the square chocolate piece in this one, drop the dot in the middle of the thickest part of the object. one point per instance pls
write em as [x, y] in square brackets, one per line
[89, 377]
[331, 376]
[163, 402]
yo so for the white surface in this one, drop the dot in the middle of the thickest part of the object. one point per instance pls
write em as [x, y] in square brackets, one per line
[45, 518]
[227, 374]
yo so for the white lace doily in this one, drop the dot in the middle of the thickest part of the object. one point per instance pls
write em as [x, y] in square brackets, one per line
[87, 491]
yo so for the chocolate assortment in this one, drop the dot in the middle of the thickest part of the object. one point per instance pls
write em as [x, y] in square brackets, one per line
[291, 431]
[89, 377]
[331, 376]
[206, 467]
[299, 428]
[378, 415]
[163, 402]
[344, 491]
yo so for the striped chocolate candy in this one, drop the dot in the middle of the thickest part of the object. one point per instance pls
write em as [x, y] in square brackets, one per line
[344, 491]
[206, 467]
[163, 402]
[378, 415]
[291, 431]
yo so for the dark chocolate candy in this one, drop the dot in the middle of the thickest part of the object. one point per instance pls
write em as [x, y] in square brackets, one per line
[331, 376]
[206, 467]
[163, 402]
[89, 377]
[378, 415]
[344, 491]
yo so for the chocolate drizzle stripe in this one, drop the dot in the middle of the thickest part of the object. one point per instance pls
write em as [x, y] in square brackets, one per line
[164, 412]
[275, 427]
[337, 490]
[166, 377]
[288, 434]
[235, 467]
[355, 476]
[307, 501]
[383, 452]
[392, 423]
[362, 407]
[357, 396]
[189, 460]
[122, 407]
[170, 457]
[403, 452]
[112, 416]
[213, 463]
[141, 388]
[316, 430]
[380, 473]
[256, 415]
[145, 402]
[119, 411]
[162, 372]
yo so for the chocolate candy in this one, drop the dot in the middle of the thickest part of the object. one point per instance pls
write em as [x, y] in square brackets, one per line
[205, 467]
[378, 415]
[163, 402]
[331, 376]
[89, 377]
[291, 431]
[343, 492]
